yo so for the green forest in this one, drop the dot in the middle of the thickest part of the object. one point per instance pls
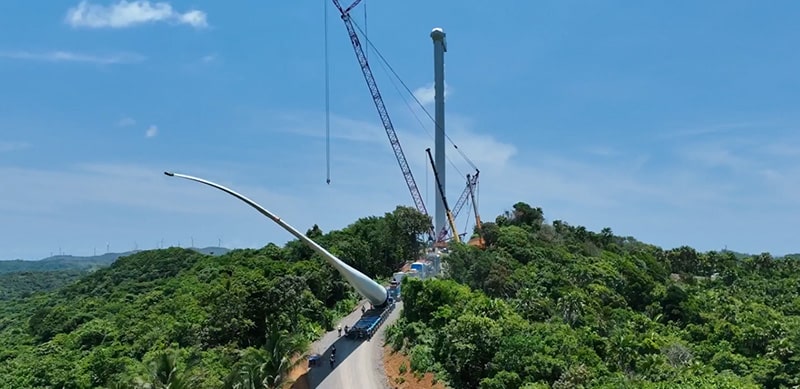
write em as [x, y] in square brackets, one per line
[176, 318]
[549, 305]
[544, 305]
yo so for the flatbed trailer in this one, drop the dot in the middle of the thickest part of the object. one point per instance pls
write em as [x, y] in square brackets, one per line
[370, 321]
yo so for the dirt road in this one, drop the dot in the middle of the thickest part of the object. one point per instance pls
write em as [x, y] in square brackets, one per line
[359, 364]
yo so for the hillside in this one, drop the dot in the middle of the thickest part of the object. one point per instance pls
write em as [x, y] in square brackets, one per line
[69, 262]
[25, 283]
[209, 318]
[59, 262]
[21, 278]
[545, 305]
[553, 305]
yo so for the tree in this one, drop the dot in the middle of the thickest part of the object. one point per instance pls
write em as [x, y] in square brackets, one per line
[523, 215]
[468, 346]
[683, 259]
[406, 225]
[491, 233]
[267, 367]
[166, 374]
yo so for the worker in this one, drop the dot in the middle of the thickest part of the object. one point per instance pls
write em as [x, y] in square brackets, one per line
[340, 329]
[363, 309]
[333, 359]
[333, 350]
[345, 329]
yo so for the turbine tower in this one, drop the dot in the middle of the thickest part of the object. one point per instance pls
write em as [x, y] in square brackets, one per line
[439, 48]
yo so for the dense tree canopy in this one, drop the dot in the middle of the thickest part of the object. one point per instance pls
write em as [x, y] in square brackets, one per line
[178, 318]
[544, 305]
[25, 283]
[553, 305]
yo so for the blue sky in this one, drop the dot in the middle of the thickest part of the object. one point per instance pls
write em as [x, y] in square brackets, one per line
[674, 122]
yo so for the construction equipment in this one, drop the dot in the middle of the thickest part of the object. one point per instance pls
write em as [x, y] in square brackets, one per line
[381, 107]
[450, 219]
[472, 182]
[478, 242]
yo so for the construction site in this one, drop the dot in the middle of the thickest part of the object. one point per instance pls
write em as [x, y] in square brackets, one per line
[444, 229]
[441, 234]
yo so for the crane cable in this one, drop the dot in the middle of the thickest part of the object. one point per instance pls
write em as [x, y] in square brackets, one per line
[466, 224]
[478, 194]
[378, 53]
[394, 84]
[427, 193]
[327, 101]
[385, 66]
[366, 52]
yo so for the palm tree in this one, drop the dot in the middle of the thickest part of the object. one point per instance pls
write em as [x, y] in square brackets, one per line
[164, 374]
[267, 367]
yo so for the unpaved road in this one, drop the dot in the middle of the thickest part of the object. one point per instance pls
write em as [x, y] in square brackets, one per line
[359, 364]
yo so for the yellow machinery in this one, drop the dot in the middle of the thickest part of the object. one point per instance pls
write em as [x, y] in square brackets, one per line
[450, 218]
[478, 242]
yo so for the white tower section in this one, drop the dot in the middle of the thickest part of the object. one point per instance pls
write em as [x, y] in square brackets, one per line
[439, 48]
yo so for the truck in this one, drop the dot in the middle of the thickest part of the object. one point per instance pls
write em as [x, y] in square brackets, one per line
[395, 285]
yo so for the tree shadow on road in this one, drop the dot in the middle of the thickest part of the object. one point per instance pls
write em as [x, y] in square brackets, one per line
[318, 372]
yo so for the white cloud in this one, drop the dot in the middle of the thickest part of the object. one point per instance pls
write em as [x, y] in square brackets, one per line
[713, 154]
[85, 184]
[209, 58]
[67, 56]
[8, 146]
[482, 149]
[669, 195]
[716, 128]
[80, 205]
[479, 147]
[683, 203]
[754, 167]
[126, 122]
[781, 149]
[130, 13]
[194, 18]
[426, 94]
[688, 192]
[601, 151]
[151, 132]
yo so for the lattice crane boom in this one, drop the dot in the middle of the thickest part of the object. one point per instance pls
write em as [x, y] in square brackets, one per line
[472, 181]
[450, 218]
[382, 112]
